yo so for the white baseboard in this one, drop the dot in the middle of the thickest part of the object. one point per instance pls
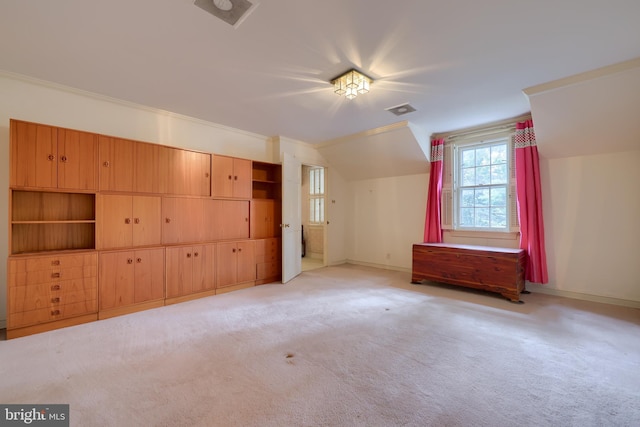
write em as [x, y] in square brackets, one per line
[382, 266]
[585, 297]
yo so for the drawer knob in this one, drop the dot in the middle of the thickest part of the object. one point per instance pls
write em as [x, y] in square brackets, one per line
[55, 312]
[55, 262]
[55, 300]
[55, 287]
[55, 275]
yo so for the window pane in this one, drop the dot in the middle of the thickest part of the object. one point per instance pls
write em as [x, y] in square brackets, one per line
[468, 177]
[498, 196]
[466, 217]
[321, 209]
[482, 197]
[499, 174]
[499, 154]
[482, 217]
[483, 175]
[483, 156]
[468, 158]
[467, 198]
[498, 217]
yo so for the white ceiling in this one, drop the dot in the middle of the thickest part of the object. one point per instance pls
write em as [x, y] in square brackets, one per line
[460, 63]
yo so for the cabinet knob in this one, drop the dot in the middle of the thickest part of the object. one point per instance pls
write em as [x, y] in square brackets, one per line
[139, 260]
[55, 312]
[55, 300]
[235, 178]
[233, 250]
[129, 261]
[206, 175]
[51, 157]
[239, 249]
[167, 220]
[64, 158]
[55, 287]
[55, 275]
[229, 177]
[127, 220]
[136, 220]
[105, 164]
[55, 262]
[195, 254]
[188, 254]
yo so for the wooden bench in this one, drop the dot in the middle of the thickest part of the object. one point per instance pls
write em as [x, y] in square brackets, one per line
[491, 269]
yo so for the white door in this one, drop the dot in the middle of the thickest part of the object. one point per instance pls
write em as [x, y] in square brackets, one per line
[291, 218]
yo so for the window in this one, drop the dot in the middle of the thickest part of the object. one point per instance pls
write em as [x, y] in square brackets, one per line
[482, 185]
[316, 195]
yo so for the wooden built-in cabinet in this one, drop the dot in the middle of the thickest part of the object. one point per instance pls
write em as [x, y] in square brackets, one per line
[45, 289]
[235, 263]
[190, 270]
[125, 221]
[231, 177]
[48, 157]
[130, 278]
[101, 226]
[268, 260]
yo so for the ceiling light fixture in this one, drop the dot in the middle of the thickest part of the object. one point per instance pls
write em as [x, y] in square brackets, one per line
[351, 83]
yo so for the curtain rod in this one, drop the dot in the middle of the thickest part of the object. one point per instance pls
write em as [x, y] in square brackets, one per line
[483, 129]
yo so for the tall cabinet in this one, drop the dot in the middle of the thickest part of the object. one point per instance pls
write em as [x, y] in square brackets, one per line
[101, 226]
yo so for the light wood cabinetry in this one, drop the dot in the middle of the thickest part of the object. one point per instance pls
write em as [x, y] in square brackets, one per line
[268, 260]
[190, 270]
[235, 263]
[265, 218]
[51, 221]
[125, 221]
[129, 278]
[101, 226]
[231, 177]
[47, 157]
[116, 164]
[182, 220]
[47, 292]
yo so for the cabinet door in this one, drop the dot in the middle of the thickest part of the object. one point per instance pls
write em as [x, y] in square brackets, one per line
[34, 155]
[115, 222]
[246, 261]
[179, 271]
[242, 178]
[195, 176]
[149, 163]
[265, 219]
[226, 264]
[222, 176]
[77, 160]
[182, 220]
[230, 219]
[204, 268]
[146, 218]
[116, 164]
[149, 275]
[116, 279]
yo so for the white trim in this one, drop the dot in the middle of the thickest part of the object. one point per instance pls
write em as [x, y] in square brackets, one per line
[535, 288]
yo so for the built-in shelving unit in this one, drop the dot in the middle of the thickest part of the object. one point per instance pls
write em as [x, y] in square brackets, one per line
[266, 181]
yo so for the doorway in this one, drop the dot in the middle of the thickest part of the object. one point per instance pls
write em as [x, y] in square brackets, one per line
[313, 197]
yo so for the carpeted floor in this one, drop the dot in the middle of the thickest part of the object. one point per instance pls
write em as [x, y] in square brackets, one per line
[340, 346]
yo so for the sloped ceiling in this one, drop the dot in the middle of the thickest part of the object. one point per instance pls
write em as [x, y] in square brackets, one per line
[394, 150]
[589, 113]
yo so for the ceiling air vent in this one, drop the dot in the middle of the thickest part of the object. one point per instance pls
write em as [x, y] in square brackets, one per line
[232, 12]
[399, 110]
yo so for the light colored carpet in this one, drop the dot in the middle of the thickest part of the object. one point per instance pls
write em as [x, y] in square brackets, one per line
[340, 346]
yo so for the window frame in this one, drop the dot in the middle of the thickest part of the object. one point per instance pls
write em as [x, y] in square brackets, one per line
[316, 195]
[458, 188]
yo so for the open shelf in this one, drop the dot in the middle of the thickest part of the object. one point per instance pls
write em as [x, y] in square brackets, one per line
[266, 181]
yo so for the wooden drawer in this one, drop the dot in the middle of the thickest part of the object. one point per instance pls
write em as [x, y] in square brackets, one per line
[26, 298]
[38, 263]
[43, 315]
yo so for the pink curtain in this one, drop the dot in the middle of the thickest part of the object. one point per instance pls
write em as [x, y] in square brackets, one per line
[529, 198]
[432, 227]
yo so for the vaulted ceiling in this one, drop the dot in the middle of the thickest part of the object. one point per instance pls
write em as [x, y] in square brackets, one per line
[459, 63]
